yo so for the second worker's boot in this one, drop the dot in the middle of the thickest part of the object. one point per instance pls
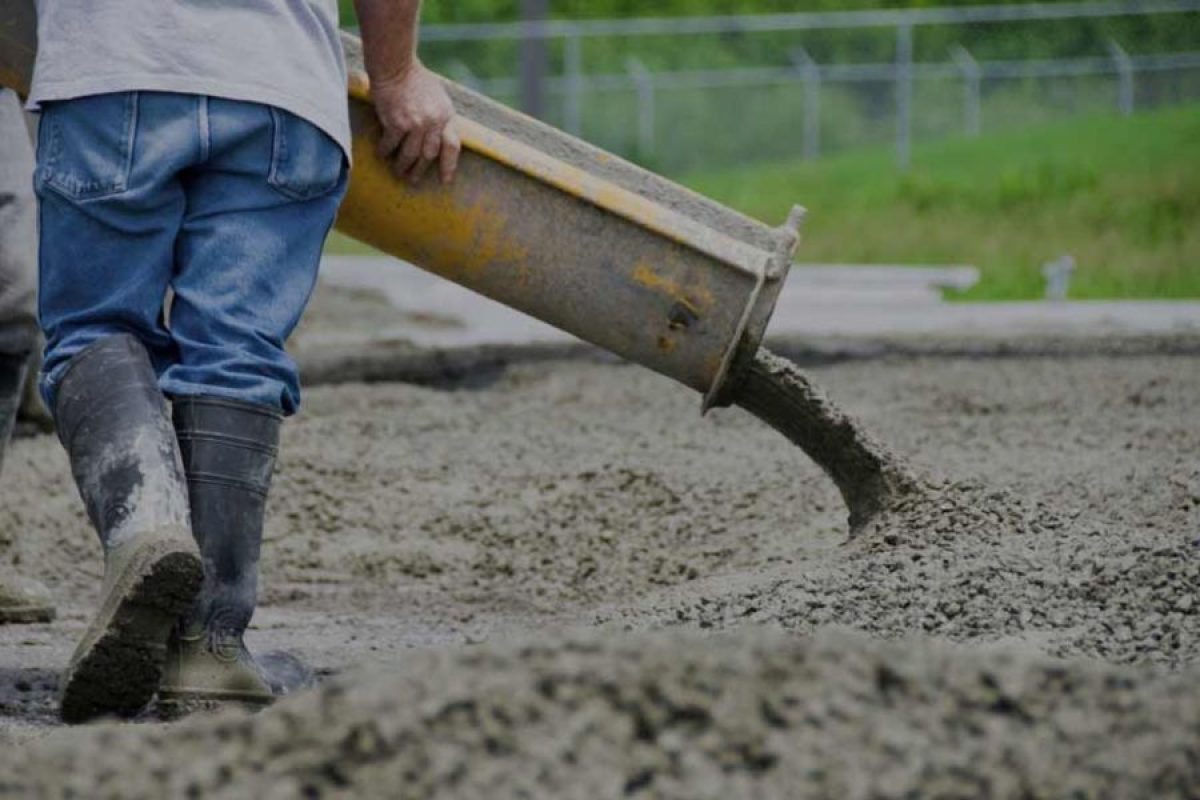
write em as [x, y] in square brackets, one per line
[229, 450]
[113, 422]
[12, 381]
[22, 599]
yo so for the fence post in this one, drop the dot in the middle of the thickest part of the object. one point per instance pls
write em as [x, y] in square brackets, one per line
[643, 81]
[573, 98]
[1124, 65]
[460, 72]
[972, 79]
[904, 93]
[533, 57]
[810, 71]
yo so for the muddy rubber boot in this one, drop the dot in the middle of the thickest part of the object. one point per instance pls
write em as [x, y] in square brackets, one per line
[229, 450]
[21, 599]
[31, 409]
[206, 671]
[112, 420]
[24, 600]
[12, 381]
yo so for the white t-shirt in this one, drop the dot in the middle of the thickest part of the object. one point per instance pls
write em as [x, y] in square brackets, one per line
[284, 53]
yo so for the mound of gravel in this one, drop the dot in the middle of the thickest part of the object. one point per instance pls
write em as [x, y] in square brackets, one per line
[757, 714]
[941, 513]
[971, 564]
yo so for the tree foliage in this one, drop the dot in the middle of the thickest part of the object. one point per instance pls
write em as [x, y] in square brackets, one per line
[1050, 39]
[463, 11]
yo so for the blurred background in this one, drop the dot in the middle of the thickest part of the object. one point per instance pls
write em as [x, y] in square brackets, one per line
[1003, 136]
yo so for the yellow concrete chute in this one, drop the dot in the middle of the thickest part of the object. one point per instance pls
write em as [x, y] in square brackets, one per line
[556, 228]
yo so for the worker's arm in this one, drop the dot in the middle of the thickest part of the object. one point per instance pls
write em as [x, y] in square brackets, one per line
[413, 106]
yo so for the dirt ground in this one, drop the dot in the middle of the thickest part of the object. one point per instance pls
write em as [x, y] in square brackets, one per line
[567, 583]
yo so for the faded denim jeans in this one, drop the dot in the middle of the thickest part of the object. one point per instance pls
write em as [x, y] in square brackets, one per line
[225, 203]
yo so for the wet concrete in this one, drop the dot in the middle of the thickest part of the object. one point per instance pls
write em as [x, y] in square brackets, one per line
[416, 532]
[751, 714]
[871, 479]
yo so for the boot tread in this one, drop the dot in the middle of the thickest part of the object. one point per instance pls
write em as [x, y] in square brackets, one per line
[119, 663]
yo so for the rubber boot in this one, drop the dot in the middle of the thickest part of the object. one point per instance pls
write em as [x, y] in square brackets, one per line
[32, 411]
[24, 600]
[112, 420]
[12, 381]
[229, 450]
[21, 599]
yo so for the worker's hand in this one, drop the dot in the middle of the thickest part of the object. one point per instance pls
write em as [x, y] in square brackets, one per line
[418, 124]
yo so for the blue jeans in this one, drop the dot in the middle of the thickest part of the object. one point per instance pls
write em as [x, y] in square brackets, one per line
[225, 203]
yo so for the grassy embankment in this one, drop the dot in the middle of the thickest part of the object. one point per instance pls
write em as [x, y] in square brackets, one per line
[1120, 195]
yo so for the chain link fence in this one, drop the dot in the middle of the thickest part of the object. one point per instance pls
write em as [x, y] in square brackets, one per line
[681, 119]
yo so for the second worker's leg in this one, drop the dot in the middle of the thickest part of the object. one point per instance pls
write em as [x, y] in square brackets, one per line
[18, 260]
[22, 599]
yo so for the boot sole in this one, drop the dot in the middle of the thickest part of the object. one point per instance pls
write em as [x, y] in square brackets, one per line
[119, 663]
[175, 706]
[168, 696]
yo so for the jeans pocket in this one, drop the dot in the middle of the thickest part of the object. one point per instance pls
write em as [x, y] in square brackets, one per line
[305, 161]
[85, 145]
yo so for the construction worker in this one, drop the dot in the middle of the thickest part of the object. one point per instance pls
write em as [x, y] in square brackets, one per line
[21, 598]
[200, 148]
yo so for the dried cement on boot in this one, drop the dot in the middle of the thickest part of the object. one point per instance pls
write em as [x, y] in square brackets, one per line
[870, 478]
[156, 498]
[755, 714]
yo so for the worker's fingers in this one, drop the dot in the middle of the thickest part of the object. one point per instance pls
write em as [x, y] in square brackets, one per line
[406, 155]
[429, 155]
[451, 147]
[417, 173]
[432, 144]
[416, 144]
[388, 142]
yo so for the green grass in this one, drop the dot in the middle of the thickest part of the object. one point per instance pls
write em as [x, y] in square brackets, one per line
[340, 244]
[1120, 195]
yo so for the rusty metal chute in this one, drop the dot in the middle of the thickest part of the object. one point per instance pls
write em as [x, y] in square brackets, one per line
[556, 228]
